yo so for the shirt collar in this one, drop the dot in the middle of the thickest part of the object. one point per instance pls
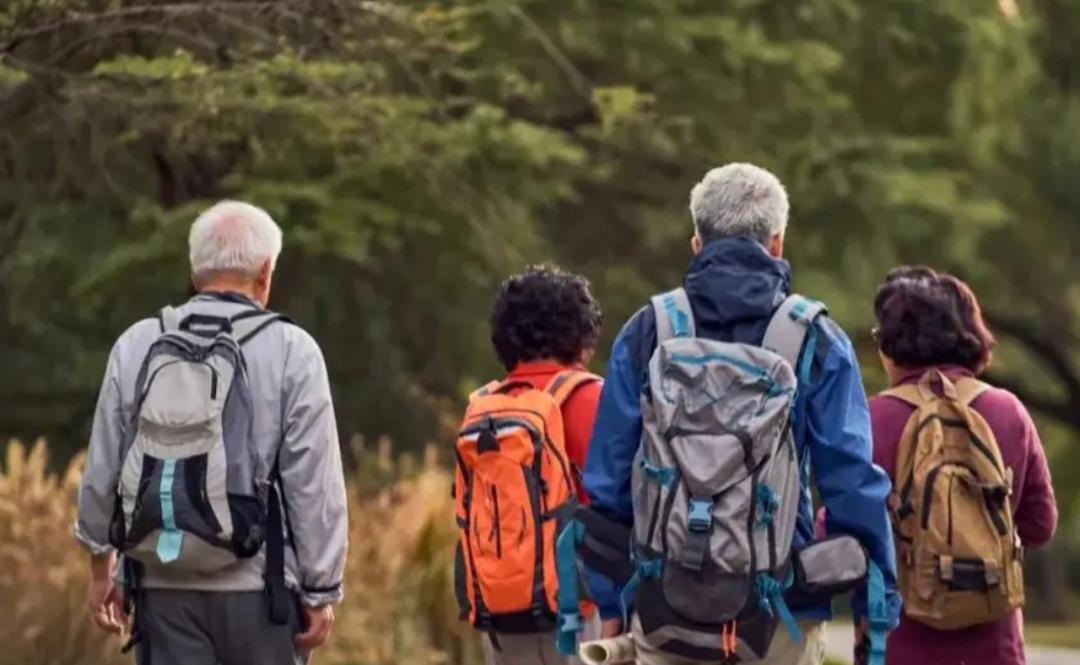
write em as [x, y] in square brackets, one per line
[227, 296]
[951, 371]
[541, 367]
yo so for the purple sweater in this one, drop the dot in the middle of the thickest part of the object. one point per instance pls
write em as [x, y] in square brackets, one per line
[1034, 511]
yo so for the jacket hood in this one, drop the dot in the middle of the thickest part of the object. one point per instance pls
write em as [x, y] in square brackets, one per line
[735, 279]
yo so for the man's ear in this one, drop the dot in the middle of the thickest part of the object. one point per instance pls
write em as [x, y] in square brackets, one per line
[262, 282]
[696, 244]
[776, 246]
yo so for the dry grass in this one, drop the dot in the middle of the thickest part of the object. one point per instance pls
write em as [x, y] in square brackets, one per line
[42, 572]
[399, 605]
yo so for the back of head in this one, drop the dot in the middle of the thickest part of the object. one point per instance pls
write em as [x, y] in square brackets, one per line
[926, 319]
[544, 313]
[235, 240]
[739, 199]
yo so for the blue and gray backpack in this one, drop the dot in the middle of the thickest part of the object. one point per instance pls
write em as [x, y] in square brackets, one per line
[716, 487]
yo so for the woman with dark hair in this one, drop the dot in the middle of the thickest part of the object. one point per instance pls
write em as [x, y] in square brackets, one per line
[931, 335]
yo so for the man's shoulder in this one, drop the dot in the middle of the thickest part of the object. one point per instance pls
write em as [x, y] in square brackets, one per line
[298, 344]
[139, 334]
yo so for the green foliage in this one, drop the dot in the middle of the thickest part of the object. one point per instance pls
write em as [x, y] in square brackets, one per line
[416, 152]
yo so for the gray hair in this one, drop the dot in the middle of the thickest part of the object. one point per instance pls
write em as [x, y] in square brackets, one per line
[739, 200]
[233, 237]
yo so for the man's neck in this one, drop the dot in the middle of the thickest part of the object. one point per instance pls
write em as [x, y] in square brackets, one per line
[229, 286]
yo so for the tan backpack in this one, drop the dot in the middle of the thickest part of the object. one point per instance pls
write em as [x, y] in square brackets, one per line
[959, 556]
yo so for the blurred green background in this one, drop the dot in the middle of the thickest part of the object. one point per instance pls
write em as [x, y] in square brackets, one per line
[415, 153]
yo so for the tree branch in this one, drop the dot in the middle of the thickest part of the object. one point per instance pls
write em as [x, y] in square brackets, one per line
[1054, 355]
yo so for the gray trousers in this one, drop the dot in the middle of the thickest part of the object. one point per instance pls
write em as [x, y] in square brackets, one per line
[212, 628]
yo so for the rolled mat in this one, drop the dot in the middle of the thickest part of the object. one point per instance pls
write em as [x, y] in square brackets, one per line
[610, 651]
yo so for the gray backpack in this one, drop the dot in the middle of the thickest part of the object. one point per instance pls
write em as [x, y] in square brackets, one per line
[193, 494]
[716, 485]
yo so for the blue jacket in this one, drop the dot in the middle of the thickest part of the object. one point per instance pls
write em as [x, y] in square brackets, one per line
[734, 287]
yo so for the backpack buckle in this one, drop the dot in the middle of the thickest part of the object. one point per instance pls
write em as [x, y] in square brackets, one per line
[700, 517]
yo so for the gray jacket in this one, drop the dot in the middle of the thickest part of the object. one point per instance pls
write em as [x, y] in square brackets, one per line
[294, 422]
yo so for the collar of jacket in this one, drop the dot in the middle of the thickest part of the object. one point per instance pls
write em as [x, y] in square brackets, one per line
[735, 279]
[227, 296]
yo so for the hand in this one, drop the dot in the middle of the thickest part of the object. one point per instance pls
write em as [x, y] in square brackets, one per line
[317, 624]
[103, 599]
[611, 628]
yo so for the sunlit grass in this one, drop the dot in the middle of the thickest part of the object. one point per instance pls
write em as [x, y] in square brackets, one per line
[399, 605]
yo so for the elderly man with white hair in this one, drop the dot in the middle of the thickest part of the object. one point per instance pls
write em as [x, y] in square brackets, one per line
[213, 501]
[711, 574]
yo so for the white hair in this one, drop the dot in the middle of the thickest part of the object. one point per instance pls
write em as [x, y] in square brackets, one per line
[739, 200]
[233, 237]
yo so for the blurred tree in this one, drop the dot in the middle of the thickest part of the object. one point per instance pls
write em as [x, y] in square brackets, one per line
[417, 151]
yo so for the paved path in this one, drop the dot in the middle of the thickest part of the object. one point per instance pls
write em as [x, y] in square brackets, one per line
[842, 643]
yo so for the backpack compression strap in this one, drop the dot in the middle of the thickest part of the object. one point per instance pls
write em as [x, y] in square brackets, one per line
[674, 317]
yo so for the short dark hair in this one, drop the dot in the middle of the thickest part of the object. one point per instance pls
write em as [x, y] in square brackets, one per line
[926, 318]
[544, 312]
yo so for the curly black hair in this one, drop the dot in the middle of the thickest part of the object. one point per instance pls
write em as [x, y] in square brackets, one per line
[926, 318]
[544, 312]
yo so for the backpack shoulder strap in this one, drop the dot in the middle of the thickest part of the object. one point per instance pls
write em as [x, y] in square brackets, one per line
[674, 317]
[563, 384]
[250, 322]
[169, 319]
[790, 325]
[485, 389]
[969, 389]
[907, 393]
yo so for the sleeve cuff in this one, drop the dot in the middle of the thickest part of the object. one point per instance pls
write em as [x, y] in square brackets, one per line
[317, 596]
[89, 544]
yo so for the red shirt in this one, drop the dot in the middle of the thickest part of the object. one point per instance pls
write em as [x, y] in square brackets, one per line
[1034, 512]
[579, 410]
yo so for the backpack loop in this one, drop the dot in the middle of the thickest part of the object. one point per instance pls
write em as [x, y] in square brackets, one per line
[937, 377]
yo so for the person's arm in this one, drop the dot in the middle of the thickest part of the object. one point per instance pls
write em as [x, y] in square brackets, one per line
[852, 488]
[615, 440]
[312, 480]
[579, 416]
[1036, 511]
[97, 498]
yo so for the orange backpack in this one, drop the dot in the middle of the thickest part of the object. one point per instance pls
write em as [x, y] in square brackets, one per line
[514, 489]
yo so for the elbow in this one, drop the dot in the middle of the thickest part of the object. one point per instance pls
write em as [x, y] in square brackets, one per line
[1040, 531]
[1038, 535]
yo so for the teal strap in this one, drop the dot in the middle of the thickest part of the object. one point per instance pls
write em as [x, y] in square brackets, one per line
[768, 504]
[665, 475]
[770, 598]
[170, 538]
[806, 362]
[643, 570]
[680, 322]
[877, 613]
[570, 620]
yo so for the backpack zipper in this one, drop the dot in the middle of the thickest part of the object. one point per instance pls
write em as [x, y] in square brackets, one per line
[213, 382]
[928, 491]
[495, 526]
[948, 538]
